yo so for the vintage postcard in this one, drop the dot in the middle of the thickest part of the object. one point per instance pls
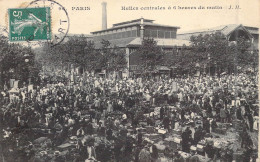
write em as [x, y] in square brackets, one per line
[129, 80]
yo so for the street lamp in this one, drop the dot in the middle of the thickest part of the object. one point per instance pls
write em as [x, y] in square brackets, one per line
[26, 58]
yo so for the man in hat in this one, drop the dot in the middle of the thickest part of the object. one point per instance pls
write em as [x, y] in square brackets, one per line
[194, 157]
[161, 113]
[197, 135]
[178, 157]
[145, 155]
[80, 132]
[166, 122]
[206, 125]
[139, 137]
[186, 140]
[57, 157]
[209, 149]
[214, 125]
[223, 115]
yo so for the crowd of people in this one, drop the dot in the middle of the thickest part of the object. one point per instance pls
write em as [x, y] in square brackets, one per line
[96, 119]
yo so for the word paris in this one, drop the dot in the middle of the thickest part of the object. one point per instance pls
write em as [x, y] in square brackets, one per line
[80, 8]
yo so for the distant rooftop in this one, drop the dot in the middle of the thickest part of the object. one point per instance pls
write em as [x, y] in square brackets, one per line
[224, 29]
[132, 21]
[252, 30]
[147, 22]
[136, 42]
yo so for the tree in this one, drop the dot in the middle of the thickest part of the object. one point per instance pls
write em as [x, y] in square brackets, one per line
[113, 58]
[220, 53]
[76, 50]
[91, 57]
[13, 64]
[151, 54]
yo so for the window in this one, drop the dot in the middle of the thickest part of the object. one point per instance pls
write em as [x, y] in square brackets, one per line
[167, 34]
[154, 33]
[129, 34]
[173, 34]
[134, 33]
[147, 33]
[124, 35]
[160, 34]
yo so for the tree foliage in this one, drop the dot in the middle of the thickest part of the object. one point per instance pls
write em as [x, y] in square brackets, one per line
[81, 52]
[13, 64]
[151, 54]
[114, 58]
[215, 50]
[212, 50]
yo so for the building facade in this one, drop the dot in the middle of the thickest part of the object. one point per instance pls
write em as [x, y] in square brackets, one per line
[129, 35]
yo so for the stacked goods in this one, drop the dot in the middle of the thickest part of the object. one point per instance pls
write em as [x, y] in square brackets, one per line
[142, 130]
[157, 112]
[169, 141]
[73, 140]
[173, 142]
[203, 158]
[200, 146]
[130, 130]
[162, 131]
[238, 156]
[237, 124]
[146, 115]
[65, 146]
[177, 139]
[148, 140]
[177, 131]
[154, 137]
[220, 130]
[149, 129]
[176, 142]
[190, 123]
[185, 155]
[193, 148]
[160, 146]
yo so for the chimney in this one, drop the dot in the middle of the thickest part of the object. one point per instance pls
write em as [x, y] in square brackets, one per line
[104, 15]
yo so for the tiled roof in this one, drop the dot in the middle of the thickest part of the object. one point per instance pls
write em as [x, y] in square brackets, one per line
[252, 30]
[131, 21]
[123, 42]
[224, 29]
[162, 42]
[136, 22]
[133, 41]
[145, 24]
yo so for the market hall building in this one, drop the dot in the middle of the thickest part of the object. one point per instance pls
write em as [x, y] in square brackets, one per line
[128, 35]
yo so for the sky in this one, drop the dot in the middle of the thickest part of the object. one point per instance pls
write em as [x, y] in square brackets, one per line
[86, 21]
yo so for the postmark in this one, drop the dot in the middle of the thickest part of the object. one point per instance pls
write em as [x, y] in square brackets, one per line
[59, 19]
[27, 24]
[41, 21]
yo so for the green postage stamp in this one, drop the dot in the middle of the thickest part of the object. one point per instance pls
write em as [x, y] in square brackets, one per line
[29, 24]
